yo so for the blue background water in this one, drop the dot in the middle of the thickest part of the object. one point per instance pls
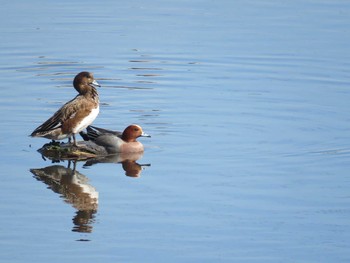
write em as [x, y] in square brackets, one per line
[247, 103]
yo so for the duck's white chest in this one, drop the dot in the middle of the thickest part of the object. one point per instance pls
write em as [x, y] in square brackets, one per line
[87, 120]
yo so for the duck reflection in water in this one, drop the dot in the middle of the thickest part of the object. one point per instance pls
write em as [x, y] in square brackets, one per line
[75, 190]
[127, 160]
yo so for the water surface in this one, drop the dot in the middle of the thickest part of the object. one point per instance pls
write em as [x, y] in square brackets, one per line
[247, 103]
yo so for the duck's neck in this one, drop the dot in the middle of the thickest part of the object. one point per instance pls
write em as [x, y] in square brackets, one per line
[89, 92]
[94, 94]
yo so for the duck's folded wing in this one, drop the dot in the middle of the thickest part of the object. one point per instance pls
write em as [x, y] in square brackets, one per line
[66, 112]
[98, 131]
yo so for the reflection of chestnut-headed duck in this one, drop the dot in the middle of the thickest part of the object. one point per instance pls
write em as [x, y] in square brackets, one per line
[76, 114]
[112, 142]
[127, 160]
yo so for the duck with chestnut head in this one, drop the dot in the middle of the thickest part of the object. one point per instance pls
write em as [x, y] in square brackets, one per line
[113, 142]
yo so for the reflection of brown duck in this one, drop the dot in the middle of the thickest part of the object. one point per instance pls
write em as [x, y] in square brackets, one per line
[128, 161]
[75, 190]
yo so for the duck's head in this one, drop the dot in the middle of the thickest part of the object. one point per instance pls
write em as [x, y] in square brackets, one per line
[132, 132]
[85, 81]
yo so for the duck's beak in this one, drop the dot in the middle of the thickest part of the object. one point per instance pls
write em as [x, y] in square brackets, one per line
[95, 83]
[144, 135]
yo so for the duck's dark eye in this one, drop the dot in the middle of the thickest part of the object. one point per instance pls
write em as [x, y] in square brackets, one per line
[136, 129]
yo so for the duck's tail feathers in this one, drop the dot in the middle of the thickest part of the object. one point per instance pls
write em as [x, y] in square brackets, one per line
[90, 135]
[84, 136]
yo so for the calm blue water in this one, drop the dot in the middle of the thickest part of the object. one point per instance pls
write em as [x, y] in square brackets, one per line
[247, 103]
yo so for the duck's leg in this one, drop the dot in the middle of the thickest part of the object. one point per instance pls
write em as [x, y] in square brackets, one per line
[74, 141]
[74, 166]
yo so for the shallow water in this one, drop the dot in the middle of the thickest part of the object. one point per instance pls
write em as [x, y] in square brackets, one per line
[247, 103]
